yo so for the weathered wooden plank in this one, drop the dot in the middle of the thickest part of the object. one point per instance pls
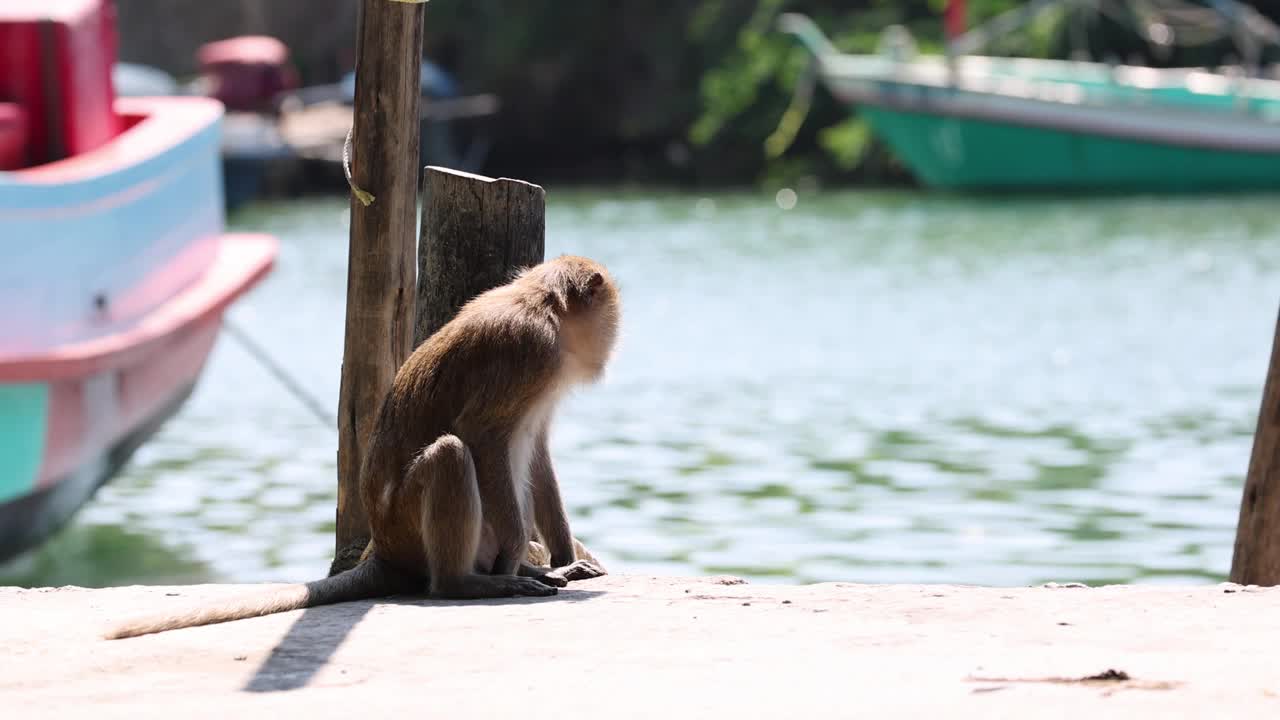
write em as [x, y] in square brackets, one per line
[380, 273]
[476, 233]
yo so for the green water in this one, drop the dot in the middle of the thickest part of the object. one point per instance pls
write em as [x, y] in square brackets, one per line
[868, 387]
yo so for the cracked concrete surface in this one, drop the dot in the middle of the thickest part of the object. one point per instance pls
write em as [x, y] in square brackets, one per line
[645, 647]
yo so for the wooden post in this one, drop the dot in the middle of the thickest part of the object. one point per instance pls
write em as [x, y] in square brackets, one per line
[380, 271]
[476, 232]
[1257, 553]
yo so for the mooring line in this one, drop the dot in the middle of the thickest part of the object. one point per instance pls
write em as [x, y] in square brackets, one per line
[293, 386]
[364, 196]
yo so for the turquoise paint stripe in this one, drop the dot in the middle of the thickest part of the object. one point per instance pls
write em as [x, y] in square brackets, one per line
[24, 415]
[950, 152]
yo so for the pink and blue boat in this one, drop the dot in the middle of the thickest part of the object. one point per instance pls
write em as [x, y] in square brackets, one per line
[115, 265]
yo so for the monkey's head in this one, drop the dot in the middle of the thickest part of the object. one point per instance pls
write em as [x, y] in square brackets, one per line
[590, 309]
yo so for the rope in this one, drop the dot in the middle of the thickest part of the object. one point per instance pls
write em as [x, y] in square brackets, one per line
[294, 387]
[364, 196]
[361, 194]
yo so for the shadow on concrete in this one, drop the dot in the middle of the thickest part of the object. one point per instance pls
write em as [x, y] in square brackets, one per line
[565, 595]
[313, 639]
[307, 647]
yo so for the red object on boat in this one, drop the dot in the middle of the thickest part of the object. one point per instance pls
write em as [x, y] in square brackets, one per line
[260, 49]
[55, 61]
[13, 137]
[247, 72]
[954, 19]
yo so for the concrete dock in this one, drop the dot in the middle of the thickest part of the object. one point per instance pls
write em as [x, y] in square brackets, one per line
[647, 647]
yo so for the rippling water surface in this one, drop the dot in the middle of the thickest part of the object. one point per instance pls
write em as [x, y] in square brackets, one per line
[871, 387]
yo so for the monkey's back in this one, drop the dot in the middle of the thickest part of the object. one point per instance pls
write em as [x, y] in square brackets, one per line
[472, 378]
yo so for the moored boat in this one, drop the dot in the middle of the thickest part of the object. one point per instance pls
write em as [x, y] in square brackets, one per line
[972, 121]
[115, 266]
[248, 74]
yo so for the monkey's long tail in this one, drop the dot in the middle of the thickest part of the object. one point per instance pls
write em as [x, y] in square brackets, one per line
[367, 580]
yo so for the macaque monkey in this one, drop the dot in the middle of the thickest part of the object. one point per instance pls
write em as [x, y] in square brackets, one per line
[457, 476]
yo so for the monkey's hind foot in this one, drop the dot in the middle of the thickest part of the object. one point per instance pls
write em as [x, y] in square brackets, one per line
[578, 570]
[479, 587]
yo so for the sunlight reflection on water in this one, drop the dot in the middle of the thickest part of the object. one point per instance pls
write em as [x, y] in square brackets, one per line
[867, 387]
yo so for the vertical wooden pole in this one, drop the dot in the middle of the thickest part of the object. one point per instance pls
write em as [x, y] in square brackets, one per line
[380, 271]
[476, 232]
[1256, 560]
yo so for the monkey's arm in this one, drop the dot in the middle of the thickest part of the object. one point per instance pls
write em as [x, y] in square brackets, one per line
[548, 507]
[553, 525]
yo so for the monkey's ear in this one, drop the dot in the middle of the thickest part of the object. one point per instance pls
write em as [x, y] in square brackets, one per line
[593, 283]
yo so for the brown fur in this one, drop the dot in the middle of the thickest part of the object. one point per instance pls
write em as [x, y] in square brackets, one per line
[457, 479]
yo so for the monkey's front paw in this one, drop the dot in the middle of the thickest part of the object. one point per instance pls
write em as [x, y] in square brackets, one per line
[579, 570]
[552, 580]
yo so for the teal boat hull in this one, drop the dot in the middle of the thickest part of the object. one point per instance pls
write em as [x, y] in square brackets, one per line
[965, 153]
[1028, 124]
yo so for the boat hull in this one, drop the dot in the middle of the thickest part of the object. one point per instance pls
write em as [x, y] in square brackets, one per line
[970, 153]
[116, 273]
[37, 512]
[69, 420]
[1024, 124]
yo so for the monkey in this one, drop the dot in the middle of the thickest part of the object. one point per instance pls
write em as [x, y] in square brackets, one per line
[457, 479]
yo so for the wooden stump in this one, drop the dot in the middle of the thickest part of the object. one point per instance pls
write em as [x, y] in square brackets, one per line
[380, 271]
[476, 233]
[1257, 553]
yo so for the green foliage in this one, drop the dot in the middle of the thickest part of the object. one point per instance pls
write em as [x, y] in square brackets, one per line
[846, 141]
[699, 89]
[734, 86]
[746, 96]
